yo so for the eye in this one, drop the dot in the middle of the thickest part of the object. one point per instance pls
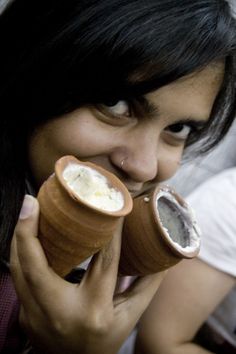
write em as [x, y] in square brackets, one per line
[179, 130]
[119, 108]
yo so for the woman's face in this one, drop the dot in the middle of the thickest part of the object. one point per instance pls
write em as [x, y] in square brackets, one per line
[147, 135]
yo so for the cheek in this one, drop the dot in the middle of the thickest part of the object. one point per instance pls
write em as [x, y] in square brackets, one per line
[169, 163]
[79, 136]
[73, 138]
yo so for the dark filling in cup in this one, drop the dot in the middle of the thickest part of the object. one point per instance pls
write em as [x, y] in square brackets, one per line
[174, 219]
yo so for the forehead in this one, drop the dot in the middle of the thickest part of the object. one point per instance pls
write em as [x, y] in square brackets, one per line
[191, 96]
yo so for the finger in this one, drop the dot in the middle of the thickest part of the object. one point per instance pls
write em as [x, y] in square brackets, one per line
[22, 290]
[101, 276]
[31, 325]
[24, 320]
[138, 296]
[40, 278]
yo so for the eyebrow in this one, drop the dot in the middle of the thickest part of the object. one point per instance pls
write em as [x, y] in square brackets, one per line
[148, 107]
[153, 110]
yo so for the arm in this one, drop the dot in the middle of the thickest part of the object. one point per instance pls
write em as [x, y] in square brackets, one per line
[61, 317]
[189, 293]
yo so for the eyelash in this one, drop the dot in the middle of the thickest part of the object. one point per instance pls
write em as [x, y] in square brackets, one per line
[138, 108]
[119, 105]
[194, 128]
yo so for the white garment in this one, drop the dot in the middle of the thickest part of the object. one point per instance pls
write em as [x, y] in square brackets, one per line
[128, 345]
[214, 203]
[4, 4]
[197, 170]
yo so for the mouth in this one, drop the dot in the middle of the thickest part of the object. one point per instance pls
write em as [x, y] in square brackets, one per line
[144, 189]
[135, 193]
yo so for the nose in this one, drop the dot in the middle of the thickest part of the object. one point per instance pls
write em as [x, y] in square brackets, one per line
[137, 155]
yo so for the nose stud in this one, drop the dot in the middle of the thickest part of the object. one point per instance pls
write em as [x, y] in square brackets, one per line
[122, 163]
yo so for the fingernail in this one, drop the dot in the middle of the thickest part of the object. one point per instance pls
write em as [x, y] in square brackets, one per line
[27, 207]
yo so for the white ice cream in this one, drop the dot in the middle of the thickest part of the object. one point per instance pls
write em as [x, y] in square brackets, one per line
[188, 222]
[92, 187]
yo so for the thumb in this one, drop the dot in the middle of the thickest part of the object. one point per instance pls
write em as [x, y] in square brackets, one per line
[29, 215]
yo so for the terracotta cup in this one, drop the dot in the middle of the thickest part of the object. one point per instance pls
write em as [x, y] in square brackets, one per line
[158, 233]
[70, 229]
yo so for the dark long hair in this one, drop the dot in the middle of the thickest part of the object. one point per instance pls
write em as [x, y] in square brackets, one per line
[57, 55]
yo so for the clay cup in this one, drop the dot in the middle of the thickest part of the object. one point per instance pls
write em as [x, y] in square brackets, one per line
[70, 229]
[158, 233]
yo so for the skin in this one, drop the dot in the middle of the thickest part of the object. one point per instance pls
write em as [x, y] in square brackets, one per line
[91, 318]
[177, 311]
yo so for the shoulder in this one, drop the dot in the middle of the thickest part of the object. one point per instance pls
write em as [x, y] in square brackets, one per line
[220, 183]
[216, 197]
[214, 203]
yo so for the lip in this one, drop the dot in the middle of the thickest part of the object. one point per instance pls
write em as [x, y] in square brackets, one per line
[135, 193]
[139, 189]
[134, 188]
[145, 189]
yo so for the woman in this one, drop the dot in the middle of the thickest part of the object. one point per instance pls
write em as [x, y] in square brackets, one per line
[126, 86]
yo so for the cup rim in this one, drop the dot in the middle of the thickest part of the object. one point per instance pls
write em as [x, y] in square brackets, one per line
[179, 251]
[114, 181]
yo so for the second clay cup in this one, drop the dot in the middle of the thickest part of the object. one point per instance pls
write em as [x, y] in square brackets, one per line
[159, 232]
